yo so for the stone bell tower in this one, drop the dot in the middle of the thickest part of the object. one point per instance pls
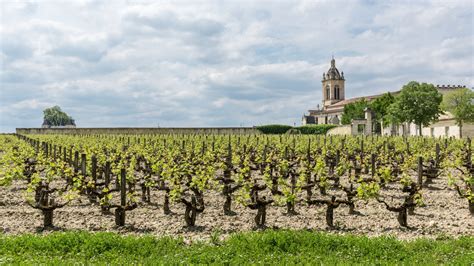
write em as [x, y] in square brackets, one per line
[333, 85]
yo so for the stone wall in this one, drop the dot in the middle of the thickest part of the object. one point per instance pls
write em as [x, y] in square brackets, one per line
[340, 130]
[138, 130]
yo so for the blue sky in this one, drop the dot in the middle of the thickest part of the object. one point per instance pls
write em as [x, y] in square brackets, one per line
[218, 63]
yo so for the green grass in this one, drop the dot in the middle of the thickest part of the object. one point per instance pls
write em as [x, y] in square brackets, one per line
[268, 247]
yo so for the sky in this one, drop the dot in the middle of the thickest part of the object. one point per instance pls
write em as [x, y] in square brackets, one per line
[218, 63]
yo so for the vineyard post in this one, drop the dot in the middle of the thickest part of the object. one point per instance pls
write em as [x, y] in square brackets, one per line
[120, 210]
[372, 161]
[107, 174]
[76, 161]
[93, 196]
[420, 171]
[83, 164]
[437, 154]
[123, 189]
[227, 190]
[362, 153]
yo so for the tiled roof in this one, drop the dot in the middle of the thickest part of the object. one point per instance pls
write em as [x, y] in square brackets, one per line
[352, 100]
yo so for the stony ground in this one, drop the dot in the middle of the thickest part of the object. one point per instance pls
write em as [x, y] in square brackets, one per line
[444, 214]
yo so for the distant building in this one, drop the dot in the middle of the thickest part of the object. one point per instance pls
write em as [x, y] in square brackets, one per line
[333, 88]
[333, 92]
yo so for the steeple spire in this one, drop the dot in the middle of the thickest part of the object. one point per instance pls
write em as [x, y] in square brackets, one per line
[333, 85]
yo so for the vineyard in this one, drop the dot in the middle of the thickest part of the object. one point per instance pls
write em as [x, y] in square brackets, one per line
[196, 185]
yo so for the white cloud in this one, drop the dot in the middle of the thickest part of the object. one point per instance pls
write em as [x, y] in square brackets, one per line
[218, 63]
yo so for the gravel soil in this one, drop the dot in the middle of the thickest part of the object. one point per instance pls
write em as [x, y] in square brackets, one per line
[444, 214]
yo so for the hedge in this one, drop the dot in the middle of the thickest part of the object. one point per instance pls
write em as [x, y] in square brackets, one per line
[315, 129]
[274, 129]
[308, 129]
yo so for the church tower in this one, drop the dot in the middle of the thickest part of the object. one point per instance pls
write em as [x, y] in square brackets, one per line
[333, 85]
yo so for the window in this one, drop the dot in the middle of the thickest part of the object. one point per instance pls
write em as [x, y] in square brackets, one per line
[336, 92]
[328, 92]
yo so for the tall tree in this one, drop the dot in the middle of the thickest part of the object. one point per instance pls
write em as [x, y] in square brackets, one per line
[54, 116]
[380, 107]
[417, 103]
[354, 110]
[460, 104]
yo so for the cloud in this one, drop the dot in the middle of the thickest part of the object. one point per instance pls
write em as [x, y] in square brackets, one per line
[218, 63]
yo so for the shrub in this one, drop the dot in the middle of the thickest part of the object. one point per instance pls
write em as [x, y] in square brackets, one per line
[315, 129]
[308, 129]
[274, 129]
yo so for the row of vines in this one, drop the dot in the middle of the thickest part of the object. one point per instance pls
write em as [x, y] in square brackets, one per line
[118, 173]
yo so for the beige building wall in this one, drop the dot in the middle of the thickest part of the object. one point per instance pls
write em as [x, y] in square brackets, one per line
[342, 130]
[332, 83]
[321, 120]
[446, 128]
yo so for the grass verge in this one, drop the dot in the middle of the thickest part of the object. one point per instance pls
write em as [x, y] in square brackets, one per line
[268, 247]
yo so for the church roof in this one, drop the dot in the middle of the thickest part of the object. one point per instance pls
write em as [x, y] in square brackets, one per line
[333, 72]
[355, 99]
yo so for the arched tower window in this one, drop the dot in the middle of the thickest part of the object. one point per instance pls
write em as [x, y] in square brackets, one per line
[336, 92]
[328, 92]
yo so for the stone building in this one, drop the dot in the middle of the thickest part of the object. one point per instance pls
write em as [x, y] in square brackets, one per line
[333, 88]
[333, 92]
